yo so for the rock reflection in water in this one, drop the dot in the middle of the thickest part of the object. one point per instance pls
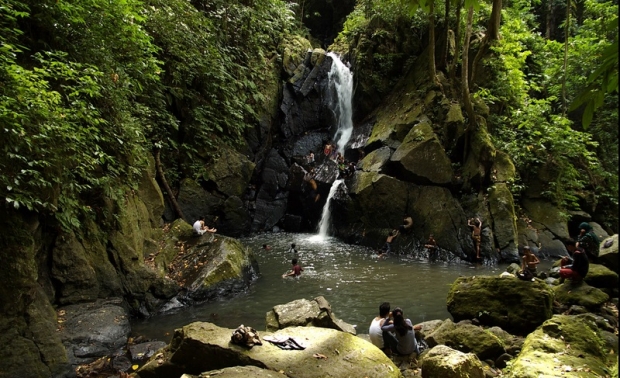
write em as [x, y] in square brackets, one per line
[350, 277]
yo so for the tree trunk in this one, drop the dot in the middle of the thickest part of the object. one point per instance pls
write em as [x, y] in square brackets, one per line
[443, 59]
[162, 179]
[566, 36]
[548, 20]
[431, 43]
[457, 42]
[465, 70]
[491, 35]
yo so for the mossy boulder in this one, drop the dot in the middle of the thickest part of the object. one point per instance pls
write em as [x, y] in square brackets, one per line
[501, 206]
[601, 277]
[581, 294]
[467, 338]
[445, 362]
[563, 346]
[230, 174]
[237, 372]
[200, 347]
[514, 305]
[480, 158]
[213, 266]
[376, 160]
[195, 202]
[421, 158]
[293, 50]
[503, 169]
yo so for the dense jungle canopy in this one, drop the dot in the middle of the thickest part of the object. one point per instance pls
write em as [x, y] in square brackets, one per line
[92, 89]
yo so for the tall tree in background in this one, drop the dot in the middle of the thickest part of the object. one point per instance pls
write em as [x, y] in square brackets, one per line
[491, 35]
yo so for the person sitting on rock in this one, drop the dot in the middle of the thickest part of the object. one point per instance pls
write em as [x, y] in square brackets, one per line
[576, 271]
[200, 227]
[376, 334]
[588, 240]
[404, 331]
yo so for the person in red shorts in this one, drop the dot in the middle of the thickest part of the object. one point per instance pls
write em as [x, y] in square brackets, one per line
[578, 270]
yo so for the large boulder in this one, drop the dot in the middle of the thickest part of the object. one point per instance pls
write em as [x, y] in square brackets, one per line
[550, 224]
[230, 174]
[305, 313]
[467, 338]
[445, 362]
[608, 253]
[212, 266]
[200, 347]
[237, 372]
[514, 305]
[601, 277]
[421, 158]
[272, 198]
[501, 206]
[581, 294]
[93, 330]
[379, 202]
[196, 202]
[564, 345]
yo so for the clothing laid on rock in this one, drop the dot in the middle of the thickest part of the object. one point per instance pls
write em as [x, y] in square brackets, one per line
[284, 342]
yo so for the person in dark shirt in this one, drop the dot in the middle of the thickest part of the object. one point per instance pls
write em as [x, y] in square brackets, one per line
[588, 240]
[578, 270]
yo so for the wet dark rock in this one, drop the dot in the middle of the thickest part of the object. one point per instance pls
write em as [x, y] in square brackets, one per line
[143, 351]
[93, 330]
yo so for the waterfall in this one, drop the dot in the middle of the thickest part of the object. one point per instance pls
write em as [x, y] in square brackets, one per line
[341, 93]
[326, 215]
[341, 86]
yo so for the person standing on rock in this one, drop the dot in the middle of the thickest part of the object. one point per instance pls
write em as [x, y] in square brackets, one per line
[376, 334]
[476, 225]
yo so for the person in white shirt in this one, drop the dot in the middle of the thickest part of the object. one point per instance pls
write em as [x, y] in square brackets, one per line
[375, 332]
[200, 227]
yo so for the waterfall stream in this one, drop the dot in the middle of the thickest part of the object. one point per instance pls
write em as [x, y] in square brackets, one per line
[341, 93]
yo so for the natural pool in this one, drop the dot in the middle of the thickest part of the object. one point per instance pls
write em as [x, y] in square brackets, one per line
[350, 277]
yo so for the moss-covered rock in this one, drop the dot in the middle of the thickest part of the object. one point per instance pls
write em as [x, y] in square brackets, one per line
[230, 174]
[376, 160]
[503, 169]
[467, 338]
[237, 372]
[421, 157]
[200, 347]
[445, 362]
[570, 293]
[480, 158]
[563, 346]
[601, 277]
[514, 305]
[293, 49]
[501, 206]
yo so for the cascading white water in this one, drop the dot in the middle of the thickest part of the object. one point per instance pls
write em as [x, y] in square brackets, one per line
[341, 85]
[326, 215]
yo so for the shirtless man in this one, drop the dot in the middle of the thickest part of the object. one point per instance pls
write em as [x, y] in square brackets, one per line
[407, 224]
[431, 245]
[387, 248]
[476, 225]
[529, 260]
